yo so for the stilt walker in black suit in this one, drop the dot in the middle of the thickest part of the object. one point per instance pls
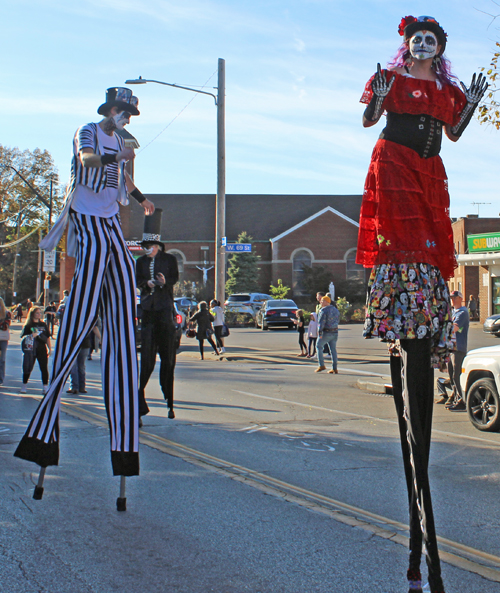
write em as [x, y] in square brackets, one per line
[156, 274]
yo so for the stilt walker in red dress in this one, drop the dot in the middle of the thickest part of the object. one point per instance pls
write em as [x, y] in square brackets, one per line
[406, 238]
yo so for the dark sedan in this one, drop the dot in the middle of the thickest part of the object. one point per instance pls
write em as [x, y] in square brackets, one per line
[492, 325]
[277, 312]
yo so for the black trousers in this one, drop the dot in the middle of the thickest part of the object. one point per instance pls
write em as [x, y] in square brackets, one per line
[42, 356]
[455, 370]
[218, 336]
[157, 336]
[412, 381]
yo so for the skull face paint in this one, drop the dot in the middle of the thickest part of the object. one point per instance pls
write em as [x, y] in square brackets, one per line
[423, 45]
[121, 119]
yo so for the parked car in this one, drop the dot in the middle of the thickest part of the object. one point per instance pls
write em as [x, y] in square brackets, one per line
[179, 317]
[186, 305]
[277, 312]
[239, 314]
[480, 381]
[492, 325]
[254, 300]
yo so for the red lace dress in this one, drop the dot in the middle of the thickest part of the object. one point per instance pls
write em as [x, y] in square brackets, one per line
[405, 229]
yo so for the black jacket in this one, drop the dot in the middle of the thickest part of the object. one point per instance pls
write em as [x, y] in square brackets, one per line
[161, 297]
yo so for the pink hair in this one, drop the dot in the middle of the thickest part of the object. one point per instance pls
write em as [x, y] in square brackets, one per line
[403, 57]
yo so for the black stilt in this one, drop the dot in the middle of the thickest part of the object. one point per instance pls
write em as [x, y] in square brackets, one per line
[121, 501]
[38, 493]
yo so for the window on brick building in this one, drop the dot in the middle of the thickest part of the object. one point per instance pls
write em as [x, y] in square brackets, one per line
[301, 258]
[353, 271]
[179, 256]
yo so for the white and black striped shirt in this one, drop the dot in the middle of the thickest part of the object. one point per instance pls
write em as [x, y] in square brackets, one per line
[96, 189]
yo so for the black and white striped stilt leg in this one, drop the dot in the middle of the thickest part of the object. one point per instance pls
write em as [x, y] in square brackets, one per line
[121, 501]
[38, 493]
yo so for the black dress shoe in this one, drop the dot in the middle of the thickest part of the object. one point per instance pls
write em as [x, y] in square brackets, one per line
[171, 413]
[458, 407]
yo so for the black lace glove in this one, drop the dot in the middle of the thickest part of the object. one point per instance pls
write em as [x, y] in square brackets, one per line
[473, 94]
[380, 88]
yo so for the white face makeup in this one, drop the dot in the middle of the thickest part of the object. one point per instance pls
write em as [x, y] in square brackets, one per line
[149, 251]
[423, 45]
[121, 119]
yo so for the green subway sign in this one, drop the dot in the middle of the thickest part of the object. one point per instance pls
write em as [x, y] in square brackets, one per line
[486, 242]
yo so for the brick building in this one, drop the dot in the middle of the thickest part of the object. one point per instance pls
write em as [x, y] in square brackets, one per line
[288, 231]
[477, 244]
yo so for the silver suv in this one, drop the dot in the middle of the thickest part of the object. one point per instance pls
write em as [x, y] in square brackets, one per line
[245, 300]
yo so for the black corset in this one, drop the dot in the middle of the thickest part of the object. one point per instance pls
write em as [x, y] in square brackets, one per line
[421, 133]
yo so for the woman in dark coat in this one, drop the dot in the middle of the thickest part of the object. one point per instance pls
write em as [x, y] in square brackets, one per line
[35, 347]
[204, 330]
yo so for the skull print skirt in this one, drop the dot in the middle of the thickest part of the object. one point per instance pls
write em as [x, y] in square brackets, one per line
[410, 301]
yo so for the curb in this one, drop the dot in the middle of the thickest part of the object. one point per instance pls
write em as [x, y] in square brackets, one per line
[372, 387]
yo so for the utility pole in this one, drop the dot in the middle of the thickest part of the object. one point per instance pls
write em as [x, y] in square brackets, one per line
[220, 224]
[14, 276]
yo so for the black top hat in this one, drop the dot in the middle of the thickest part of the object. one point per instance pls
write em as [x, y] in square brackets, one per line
[152, 229]
[122, 98]
[410, 25]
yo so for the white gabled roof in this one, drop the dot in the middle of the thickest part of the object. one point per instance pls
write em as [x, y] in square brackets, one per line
[320, 213]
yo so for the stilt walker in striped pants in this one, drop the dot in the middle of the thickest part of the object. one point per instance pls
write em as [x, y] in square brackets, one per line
[104, 278]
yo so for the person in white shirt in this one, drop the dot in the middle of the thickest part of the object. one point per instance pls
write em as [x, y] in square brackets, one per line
[218, 313]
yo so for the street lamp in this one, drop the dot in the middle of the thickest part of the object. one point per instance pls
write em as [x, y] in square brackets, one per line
[220, 199]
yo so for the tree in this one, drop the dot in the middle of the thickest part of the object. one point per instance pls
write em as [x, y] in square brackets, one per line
[243, 273]
[22, 212]
[317, 279]
[489, 111]
[280, 291]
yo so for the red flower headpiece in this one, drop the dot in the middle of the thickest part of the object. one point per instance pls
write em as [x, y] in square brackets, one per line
[405, 21]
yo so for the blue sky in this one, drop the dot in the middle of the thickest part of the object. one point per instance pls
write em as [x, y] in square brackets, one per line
[294, 73]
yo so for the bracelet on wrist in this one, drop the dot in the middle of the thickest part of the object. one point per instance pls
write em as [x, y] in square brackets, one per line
[137, 195]
[107, 159]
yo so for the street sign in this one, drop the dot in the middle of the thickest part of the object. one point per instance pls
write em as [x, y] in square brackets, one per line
[224, 241]
[238, 247]
[49, 261]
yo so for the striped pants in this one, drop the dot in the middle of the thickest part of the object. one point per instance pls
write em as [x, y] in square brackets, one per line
[104, 277]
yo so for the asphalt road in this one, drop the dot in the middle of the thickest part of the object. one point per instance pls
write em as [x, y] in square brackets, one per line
[271, 478]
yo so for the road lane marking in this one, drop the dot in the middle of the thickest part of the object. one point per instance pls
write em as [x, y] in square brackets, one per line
[472, 560]
[363, 416]
[253, 428]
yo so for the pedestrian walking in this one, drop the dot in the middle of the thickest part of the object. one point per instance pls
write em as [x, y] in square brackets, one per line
[95, 338]
[50, 316]
[312, 335]
[328, 328]
[472, 306]
[301, 329]
[19, 313]
[78, 374]
[156, 275]
[104, 280]
[35, 344]
[405, 236]
[5, 320]
[218, 313]
[204, 331]
[460, 317]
